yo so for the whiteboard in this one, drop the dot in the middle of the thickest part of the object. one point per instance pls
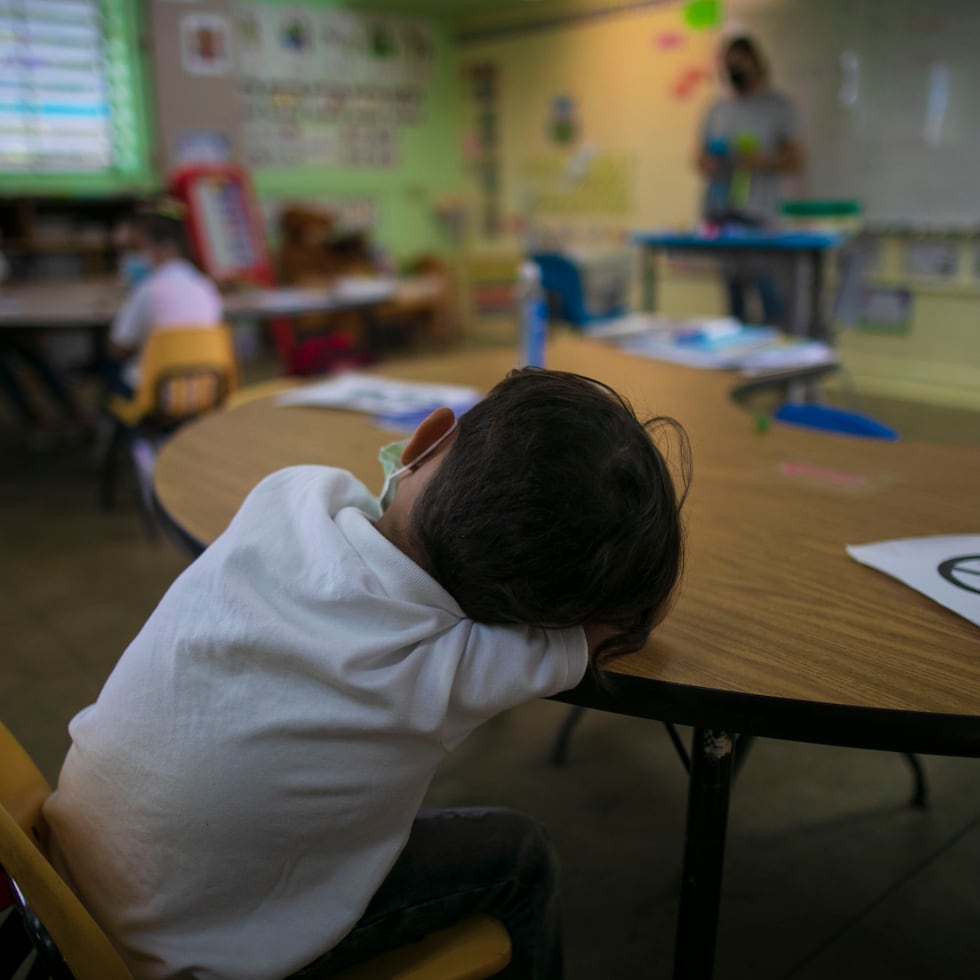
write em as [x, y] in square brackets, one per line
[889, 100]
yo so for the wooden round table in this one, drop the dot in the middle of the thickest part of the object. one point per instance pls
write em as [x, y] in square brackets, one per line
[776, 631]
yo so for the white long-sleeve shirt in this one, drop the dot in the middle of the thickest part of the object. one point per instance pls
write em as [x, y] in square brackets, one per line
[251, 769]
[175, 295]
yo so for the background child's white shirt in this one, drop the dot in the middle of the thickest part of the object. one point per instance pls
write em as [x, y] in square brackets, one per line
[252, 767]
[175, 295]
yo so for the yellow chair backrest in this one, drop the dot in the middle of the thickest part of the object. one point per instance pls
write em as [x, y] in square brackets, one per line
[23, 840]
[184, 371]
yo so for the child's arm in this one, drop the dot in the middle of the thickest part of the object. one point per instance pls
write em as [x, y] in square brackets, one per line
[132, 323]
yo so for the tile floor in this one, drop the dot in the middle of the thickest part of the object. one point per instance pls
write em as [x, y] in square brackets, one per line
[829, 872]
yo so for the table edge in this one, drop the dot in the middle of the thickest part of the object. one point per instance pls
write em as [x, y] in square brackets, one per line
[823, 723]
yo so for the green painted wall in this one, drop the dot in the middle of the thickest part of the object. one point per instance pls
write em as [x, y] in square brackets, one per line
[430, 159]
[430, 167]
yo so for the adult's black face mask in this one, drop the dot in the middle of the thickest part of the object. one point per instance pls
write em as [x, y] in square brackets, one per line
[739, 78]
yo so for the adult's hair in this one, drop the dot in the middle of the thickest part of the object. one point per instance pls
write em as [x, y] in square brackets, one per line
[162, 223]
[554, 508]
[750, 47]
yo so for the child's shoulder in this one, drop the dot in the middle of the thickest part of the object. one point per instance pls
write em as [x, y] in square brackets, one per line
[329, 486]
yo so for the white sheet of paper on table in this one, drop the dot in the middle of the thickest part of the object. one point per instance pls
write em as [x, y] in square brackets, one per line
[380, 396]
[945, 568]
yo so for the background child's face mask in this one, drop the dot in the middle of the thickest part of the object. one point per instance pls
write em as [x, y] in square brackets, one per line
[390, 458]
[134, 267]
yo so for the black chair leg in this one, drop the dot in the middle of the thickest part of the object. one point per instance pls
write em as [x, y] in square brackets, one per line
[679, 747]
[142, 455]
[559, 748]
[110, 468]
[920, 797]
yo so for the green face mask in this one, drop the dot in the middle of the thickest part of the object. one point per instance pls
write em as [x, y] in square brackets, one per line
[390, 458]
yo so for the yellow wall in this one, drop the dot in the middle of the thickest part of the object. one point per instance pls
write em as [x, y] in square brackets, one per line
[621, 77]
[621, 74]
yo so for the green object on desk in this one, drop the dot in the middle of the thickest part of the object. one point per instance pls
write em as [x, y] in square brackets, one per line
[761, 423]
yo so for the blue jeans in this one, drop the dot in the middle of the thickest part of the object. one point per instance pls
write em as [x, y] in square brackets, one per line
[457, 863]
[770, 301]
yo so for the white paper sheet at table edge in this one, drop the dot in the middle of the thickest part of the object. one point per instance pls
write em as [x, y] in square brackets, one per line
[342, 392]
[916, 561]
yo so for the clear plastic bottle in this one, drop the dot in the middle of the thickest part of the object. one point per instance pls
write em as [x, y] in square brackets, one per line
[533, 314]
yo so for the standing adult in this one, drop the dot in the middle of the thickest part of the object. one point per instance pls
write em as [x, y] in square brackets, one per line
[749, 142]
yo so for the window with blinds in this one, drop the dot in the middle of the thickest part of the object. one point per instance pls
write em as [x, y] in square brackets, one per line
[67, 88]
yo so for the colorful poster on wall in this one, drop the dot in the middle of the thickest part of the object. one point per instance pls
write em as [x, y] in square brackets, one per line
[205, 45]
[563, 125]
[329, 87]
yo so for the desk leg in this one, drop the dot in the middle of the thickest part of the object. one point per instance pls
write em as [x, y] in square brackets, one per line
[801, 321]
[649, 262]
[820, 328]
[704, 851]
[807, 321]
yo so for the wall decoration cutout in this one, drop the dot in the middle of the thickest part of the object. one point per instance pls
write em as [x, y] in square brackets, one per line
[703, 15]
[669, 40]
[296, 34]
[688, 81]
[563, 125]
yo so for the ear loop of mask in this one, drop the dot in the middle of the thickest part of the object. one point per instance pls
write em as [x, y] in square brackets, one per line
[392, 476]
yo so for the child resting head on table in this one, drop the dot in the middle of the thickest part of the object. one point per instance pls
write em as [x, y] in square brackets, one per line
[242, 800]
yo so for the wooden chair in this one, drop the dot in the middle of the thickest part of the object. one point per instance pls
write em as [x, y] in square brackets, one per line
[49, 925]
[184, 372]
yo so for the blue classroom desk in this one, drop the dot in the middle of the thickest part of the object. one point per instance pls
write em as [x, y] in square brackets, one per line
[808, 251]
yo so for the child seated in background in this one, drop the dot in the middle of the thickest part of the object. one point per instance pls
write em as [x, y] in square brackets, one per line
[172, 293]
[242, 801]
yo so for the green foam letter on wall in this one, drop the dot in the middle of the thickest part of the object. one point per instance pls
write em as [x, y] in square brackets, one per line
[702, 15]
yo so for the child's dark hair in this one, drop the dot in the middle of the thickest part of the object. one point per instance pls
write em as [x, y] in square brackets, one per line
[554, 508]
[162, 222]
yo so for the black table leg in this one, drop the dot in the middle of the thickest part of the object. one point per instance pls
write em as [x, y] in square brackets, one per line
[704, 851]
[820, 328]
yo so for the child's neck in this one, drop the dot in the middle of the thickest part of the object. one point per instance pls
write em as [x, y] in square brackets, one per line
[396, 530]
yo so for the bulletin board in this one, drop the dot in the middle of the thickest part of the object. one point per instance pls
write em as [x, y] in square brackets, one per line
[604, 187]
[328, 87]
[888, 99]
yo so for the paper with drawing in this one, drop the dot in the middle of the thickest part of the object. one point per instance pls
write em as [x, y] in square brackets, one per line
[945, 568]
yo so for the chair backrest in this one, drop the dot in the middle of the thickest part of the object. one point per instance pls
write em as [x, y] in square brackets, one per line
[185, 371]
[830, 419]
[82, 945]
[23, 789]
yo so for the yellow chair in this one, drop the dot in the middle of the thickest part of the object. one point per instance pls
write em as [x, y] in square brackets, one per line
[77, 940]
[477, 947]
[184, 372]
[56, 924]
